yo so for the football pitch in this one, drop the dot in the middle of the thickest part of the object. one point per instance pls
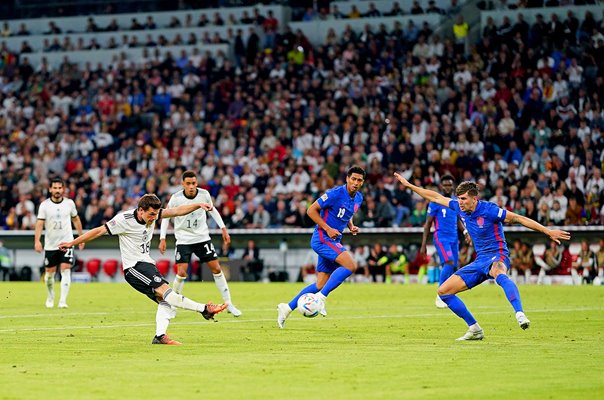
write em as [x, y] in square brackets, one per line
[377, 342]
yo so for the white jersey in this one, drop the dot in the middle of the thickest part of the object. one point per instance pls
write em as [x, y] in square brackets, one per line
[57, 222]
[135, 237]
[191, 228]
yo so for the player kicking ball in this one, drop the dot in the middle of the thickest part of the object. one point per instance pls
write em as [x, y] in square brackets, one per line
[135, 230]
[483, 221]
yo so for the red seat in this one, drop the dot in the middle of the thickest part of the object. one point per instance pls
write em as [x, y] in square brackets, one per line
[93, 266]
[163, 266]
[110, 267]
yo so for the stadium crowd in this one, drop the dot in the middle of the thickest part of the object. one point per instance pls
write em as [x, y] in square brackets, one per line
[520, 112]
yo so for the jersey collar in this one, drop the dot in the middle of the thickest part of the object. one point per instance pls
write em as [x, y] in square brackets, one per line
[140, 221]
[190, 198]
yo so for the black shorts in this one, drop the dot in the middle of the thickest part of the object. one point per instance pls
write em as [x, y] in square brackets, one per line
[53, 258]
[145, 278]
[204, 250]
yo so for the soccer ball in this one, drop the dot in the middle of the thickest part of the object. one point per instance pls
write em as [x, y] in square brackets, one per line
[309, 305]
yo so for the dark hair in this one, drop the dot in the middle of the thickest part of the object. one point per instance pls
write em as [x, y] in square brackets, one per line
[468, 187]
[149, 201]
[188, 174]
[57, 180]
[356, 170]
[447, 177]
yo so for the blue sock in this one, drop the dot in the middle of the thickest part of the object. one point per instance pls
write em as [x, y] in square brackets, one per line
[446, 272]
[308, 289]
[337, 277]
[458, 307]
[511, 291]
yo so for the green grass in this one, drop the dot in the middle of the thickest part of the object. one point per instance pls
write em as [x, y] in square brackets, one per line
[379, 341]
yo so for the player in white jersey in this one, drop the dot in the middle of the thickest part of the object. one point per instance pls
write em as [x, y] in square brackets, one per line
[193, 237]
[135, 229]
[55, 215]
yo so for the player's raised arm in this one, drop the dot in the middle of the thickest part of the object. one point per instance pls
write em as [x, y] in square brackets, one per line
[555, 234]
[87, 237]
[184, 209]
[427, 194]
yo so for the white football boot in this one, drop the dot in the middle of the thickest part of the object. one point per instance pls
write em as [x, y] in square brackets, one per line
[283, 312]
[523, 321]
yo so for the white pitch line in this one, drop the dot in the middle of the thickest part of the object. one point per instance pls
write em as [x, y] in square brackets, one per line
[61, 328]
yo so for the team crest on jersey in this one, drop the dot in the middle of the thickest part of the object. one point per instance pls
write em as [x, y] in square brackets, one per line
[480, 222]
[324, 197]
[145, 237]
[156, 278]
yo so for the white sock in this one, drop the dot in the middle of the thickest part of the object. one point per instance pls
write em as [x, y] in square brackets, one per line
[541, 276]
[514, 275]
[49, 280]
[475, 327]
[180, 301]
[222, 286]
[179, 282]
[527, 276]
[162, 319]
[65, 284]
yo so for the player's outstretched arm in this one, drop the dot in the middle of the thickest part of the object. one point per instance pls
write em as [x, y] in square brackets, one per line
[184, 209]
[87, 237]
[427, 194]
[555, 234]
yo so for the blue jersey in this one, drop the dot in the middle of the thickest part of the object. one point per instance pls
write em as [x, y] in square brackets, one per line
[445, 222]
[337, 209]
[485, 228]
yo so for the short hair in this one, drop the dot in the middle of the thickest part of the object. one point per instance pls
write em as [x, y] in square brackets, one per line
[447, 177]
[57, 180]
[468, 187]
[149, 201]
[188, 174]
[356, 170]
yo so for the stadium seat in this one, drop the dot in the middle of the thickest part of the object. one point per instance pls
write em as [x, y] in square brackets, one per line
[110, 267]
[163, 266]
[93, 267]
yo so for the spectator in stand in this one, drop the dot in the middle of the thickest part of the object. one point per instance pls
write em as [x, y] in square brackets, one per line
[584, 270]
[550, 261]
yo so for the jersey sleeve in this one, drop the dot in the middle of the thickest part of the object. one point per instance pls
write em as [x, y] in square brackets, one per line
[42, 211]
[116, 225]
[327, 199]
[74, 210]
[433, 210]
[496, 214]
[454, 205]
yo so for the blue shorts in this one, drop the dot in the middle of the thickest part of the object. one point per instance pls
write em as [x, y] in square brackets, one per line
[477, 271]
[447, 251]
[328, 250]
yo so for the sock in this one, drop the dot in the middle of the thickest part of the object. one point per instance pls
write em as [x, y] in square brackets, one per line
[179, 282]
[515, 275]
[222, 286]
[49, 280]
[459, 308]
[312, 288]
[511, 291]
[420, 274]
[475, 327]
[527, 277]
[541, 277]
[337, 277]
[65, 284]
[446, 272]
[180, 301]
[162, 318]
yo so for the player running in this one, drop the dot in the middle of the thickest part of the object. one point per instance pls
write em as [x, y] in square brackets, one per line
[332, 213]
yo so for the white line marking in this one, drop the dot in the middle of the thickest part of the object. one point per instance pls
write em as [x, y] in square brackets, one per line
[233, 321]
